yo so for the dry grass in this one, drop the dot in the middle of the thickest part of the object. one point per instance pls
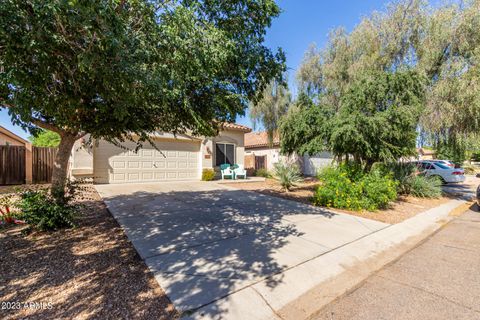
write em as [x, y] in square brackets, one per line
[90, 272]
[400, 210]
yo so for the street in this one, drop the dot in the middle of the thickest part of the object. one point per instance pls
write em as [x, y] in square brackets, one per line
[439, 279]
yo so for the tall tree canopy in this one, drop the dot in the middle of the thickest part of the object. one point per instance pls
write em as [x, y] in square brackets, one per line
[376, 120]
[120, 69]
[270, 108]
[440, 45]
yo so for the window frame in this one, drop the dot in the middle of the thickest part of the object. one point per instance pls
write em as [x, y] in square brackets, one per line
[225, 144]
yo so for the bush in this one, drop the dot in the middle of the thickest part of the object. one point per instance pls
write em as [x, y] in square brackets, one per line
[410, 182]
[46, 210]
[208, 174]
[424, 187]
[262, 172]
[347, 187]
[288, 174]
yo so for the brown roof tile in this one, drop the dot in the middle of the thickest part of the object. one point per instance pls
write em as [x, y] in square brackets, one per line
[259, 139]
[235, 126]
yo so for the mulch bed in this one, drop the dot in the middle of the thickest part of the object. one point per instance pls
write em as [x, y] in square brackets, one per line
[400, 210]
[89, 272]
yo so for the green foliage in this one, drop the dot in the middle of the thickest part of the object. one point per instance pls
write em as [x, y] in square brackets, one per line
[122, 69]
[288, 174]
[376, 120]
[410, 182]
[270, 108]
[348, 187]
[45, 138]
[262, 172]
[48, 210]
[440, 43]
[208, 174]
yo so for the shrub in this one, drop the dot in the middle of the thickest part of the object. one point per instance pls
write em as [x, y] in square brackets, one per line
[208, 174]
[425, 187]
[288, 174]
[262, 172]
[410, 182]
[50, 210]
[347, 187]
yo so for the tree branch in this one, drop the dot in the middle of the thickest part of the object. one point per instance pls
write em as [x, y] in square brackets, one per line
[46, 125]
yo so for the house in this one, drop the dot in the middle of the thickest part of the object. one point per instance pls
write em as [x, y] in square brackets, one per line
[425, 154]
[180, 157]
[8, 138]
[257, 144]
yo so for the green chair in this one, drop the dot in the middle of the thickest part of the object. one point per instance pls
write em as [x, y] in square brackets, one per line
[240, 171]
[226, 171]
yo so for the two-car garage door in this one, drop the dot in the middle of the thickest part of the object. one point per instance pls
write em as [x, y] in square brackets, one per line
[176, 160]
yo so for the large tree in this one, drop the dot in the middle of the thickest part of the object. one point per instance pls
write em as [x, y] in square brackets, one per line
[272, 105]
[121, 69]
[441, 44]
[376, 120]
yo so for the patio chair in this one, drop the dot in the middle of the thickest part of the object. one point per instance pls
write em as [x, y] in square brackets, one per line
[240, 171]
[226, 171]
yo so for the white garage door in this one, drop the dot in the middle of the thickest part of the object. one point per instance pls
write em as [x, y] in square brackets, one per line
[176, 160]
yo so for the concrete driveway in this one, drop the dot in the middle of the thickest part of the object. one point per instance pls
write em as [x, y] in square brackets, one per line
[208, 243]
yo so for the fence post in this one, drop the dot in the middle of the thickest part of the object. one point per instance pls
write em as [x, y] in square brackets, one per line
[28, 164]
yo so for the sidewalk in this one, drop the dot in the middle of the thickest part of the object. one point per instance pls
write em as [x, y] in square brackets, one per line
[439, 279]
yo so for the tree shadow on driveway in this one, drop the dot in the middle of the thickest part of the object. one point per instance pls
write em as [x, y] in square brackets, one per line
[205, 245]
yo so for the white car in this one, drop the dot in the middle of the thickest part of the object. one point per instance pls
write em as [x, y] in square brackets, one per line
[445, 173]
[448, 163]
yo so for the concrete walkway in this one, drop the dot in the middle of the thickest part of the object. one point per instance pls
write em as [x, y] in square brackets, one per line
[439, 279]
[209, 244]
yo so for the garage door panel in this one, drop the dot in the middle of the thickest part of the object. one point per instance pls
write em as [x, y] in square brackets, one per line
[174, 161]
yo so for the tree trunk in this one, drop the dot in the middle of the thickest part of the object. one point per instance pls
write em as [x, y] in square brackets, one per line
[60, 167]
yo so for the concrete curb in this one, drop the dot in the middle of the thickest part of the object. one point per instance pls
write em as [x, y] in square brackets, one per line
[307, 288]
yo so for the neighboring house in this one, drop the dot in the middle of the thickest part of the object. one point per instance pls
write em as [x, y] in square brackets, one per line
[8, 138]
[180, 157]
[256, 143]
[425, 154]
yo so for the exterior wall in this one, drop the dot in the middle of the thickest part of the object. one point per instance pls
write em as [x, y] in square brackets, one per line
[311, 164]
[273, 155]
[5, 139]
[227, 136]
[81, 160]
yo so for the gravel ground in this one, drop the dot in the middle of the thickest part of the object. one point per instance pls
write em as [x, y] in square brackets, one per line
[400, 210]
[90, 272]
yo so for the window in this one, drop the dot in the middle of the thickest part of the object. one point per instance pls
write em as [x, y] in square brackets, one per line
[224, 153]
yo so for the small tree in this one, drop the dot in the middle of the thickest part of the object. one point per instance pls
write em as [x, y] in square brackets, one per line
[121, 69]
[45, 138]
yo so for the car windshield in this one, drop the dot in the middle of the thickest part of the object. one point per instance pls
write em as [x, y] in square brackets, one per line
[442, 166]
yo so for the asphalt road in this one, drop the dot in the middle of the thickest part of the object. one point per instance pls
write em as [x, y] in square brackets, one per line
[439, 279]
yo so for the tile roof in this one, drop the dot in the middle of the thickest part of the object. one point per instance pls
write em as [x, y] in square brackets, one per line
[260, 139]
[235, 126]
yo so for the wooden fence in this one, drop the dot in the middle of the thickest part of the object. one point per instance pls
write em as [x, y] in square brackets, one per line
[12, 165]
[253, 162]
[42, 162]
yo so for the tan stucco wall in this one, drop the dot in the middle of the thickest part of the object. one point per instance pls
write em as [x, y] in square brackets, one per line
[273, 155]
[81, 161]
[227, 136]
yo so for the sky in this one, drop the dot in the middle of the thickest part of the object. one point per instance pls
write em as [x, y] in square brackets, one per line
[301, 23]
